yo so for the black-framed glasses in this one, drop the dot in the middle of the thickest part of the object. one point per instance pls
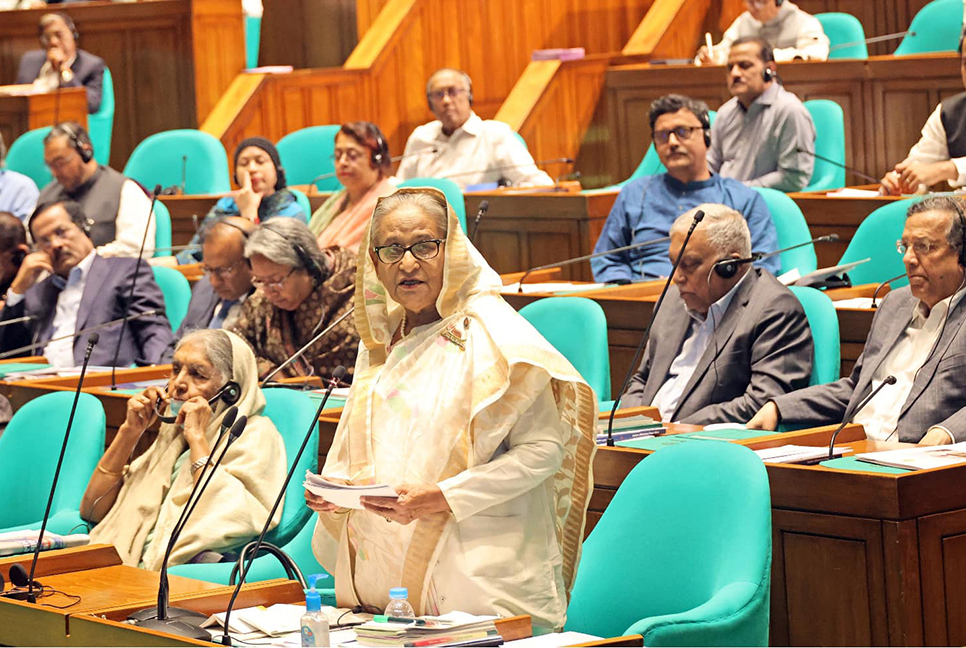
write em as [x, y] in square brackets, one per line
[221, 272]
[681, 132]
[265, 284]
[422, 250]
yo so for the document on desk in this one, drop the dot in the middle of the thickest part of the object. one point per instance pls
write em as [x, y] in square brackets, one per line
[344, 495]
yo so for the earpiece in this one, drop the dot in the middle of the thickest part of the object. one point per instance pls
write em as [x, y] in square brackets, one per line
[778, 3]
[310, 265]
[962, 224]
[229, 394]
[85, 152]
[376, 156]
[768, 74]
[727, 268]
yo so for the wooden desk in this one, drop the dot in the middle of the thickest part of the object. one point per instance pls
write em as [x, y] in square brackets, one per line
[22, 110]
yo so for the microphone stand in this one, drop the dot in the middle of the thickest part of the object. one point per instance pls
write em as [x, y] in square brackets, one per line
[875, 295]
[484, 205]
[298, 354]
[333, 382]
[864, 176]
[560, 160]
[889, 380]
[397, 158]
[30, 347]
[874, 39]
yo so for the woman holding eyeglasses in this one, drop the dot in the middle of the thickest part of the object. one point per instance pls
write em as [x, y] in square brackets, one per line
[482, 428]
[363, 166]
[300, 291]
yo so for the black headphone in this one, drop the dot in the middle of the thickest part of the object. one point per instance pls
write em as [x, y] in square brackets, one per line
[705, 120]
[86, 152]
[768, 74]
[311, 265]
[778, 3]
[67, 21]
[962, 224]
[728, 268]
[229, 394]
[376, 156]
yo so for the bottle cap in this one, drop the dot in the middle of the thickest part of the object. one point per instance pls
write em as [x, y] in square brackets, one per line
[313, 600]
[398, 593]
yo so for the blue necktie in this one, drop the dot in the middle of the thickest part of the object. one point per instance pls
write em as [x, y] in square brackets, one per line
[221, 312]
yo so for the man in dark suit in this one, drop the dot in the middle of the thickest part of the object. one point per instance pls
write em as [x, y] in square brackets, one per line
[81, 291]
[60, 64]
[728, 337]
[917, 336]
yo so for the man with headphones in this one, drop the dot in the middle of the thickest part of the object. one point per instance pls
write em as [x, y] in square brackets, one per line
[792, 33]
[468, 150]
[729, 336]
[18, 193]
[918, 337]
[761, 134]
[66, 286]
[60, 64]
[117, 205]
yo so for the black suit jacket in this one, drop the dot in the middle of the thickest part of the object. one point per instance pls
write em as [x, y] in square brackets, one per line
[201, 309]
[88, 72]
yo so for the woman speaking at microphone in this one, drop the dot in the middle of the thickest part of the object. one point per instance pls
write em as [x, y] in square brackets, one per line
[483, 429]
[135, 507]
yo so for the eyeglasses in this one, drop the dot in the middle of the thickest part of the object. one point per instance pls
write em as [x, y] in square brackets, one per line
[453, 93]
[353, 155]
[221, 272]
[64, 233]
[681, 132]
[265, 284]
[921, 248]
[423, 250]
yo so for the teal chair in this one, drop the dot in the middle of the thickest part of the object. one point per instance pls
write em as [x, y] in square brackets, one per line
[577, 328]
[682, 554]
[651, 164]
[29, 448]
[303, 202]
[829, 142]
[176, 291]
[520, 139]
[26, 156]
[842, 29]
[824, 322]
[936, 28]
[186, 154]
[253, 38]
[454, 195]
[100, 125]
[875, 239]
[162, 230]
[792, 229]
[307, 153]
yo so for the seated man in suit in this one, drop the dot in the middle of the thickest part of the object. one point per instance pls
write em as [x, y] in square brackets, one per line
[82, 290]
[216, 299]
[646, 207]
[729, 336]
[60, 64]
[760, 131]
[117, 205]
[917, 337]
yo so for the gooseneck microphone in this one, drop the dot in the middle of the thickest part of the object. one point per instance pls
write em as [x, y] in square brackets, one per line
[18, 320]
[484, 205]
[397, 158]
[39, 345]
[864, 176]
[333, 382]
[508, 167]
[758, 256]
[874, 39]
[298, 354]
[875, 295]
[130, 293]
[698, 217]
[889, 380]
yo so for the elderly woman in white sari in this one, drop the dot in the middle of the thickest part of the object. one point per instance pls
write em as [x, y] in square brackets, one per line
[135, 507]
[481, 427]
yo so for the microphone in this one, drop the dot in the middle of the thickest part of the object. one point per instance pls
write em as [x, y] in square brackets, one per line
[882, 285]
[566, 262]
[889, 380]
[295, 356]
[757, 256]
[130, 293]
[18, 320]
[397, 158]
[336, 377]
[874, 39]
[184, 174]
[39, 345]
[698, 217]
[479, 216]
[560, 160]
[864, 176]
[30, 597]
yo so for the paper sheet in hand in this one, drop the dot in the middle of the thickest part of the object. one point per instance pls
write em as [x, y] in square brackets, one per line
[343, 495]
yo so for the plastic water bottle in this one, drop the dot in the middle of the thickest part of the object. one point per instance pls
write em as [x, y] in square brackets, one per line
[315, 626]
[399, 604]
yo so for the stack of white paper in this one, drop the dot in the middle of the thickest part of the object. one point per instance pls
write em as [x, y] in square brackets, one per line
[344, 495]
[794, 454]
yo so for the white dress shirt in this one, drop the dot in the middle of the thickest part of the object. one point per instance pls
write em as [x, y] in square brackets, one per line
[478, 151]
[132, 214]
[932, 147]
[792, 34]
[49, 79]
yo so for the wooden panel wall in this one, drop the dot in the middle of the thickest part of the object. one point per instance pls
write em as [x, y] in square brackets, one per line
[308, 33]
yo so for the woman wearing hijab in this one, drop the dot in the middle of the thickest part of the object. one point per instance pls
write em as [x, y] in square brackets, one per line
[483, 429]
[135, 507]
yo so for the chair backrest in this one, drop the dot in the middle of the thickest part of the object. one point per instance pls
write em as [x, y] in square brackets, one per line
[253, 38]
[162, 230]
[792, 229]
[824, 322]
[100, 125]
[829, 142]
[29, 448]
[687, 522]
[303, 202]
[651, 164]
[26, 156]
[176, 291]
[577, 328]
[292, 412]
[307, 154]
[454, 195]
[184, 155]
[843, 28]
[936, 28]
[875, 239]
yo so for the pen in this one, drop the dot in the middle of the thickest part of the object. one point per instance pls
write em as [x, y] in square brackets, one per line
[707, 40]
[382, 618]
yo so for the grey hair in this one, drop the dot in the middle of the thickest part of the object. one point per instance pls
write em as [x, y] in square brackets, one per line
[726, 229]
[460, 73]
[952, 206]
[276, 241]
[217, 346]
[429, 203]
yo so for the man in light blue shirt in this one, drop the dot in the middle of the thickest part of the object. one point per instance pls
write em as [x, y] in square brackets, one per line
[18, 193]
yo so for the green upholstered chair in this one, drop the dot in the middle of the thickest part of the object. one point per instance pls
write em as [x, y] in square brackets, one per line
[824, 322]
[875, 239]
[170, 157]
[303, 202]
[577, 328]
[936, 28]
[253, 38]
[682, 554]
[162, 230]
[100, 125]
[792, 229]
[29, 448]
[829, 142]
[176, 291]
[26, 156]
[307, 154]
[651, 163]
[842, 29]
[454, 195]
